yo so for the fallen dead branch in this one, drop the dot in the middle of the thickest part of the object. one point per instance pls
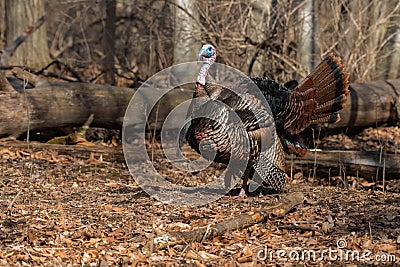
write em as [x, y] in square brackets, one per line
[60, 104]
[285, 204]
[29, 77]
[352, 163]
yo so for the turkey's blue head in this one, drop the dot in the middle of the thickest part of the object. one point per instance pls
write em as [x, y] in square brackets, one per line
[207, 52]
[207, 55]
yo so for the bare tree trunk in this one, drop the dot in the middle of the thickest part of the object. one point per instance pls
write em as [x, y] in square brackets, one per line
[353, 33]
[378, 10]
[394, 62]
[109, 42]
[261, 13]
[308, 35]
[394, 70]
[2, 24]
[186, 32]
[20, 14]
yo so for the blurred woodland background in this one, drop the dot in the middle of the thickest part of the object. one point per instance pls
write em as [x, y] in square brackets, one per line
[124, 42]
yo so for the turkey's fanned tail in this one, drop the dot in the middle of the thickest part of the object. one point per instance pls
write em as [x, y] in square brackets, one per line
[319, 97]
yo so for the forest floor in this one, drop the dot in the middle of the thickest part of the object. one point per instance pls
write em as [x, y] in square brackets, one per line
[80, 206]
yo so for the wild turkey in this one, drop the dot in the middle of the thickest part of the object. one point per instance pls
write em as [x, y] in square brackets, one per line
[317, 99]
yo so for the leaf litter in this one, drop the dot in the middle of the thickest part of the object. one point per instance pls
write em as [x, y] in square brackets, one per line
[83, 208]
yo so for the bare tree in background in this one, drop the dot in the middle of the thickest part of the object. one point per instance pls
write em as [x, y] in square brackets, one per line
[19, 14]
[109, 41]
[261, 13]
[2, 23]
[308, 42]
[186, 32]
[277, 38]
[362, 32]
[394, 67]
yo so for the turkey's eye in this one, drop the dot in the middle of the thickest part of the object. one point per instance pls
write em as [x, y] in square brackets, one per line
[209, 49]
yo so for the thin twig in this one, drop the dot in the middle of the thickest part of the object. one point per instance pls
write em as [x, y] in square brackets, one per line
[27, 115]
[13, 200]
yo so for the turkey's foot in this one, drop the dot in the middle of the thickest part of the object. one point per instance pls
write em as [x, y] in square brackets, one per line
[295, 148]
[236, 193]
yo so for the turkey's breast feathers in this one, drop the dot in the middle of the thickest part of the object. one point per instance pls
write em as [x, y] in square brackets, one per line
[229, 123]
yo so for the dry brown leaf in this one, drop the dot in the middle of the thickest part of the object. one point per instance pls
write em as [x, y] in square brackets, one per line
[239, 237]
[206, 255]
[21, 154]
[81, 179]
[247, 251]
[110, 239]
[367, 184]
[356, 246]
[109, 207]
[6, 151]
[199, 264]
[117, 209]
[310, 242]
[176, 226]
[217, 239]
[385, 247]
[111, 184]
[68, 241]
[114, 142]
[85, 143]
[191, 255]
[171, 252]
[54, 159]
[61, 254]
[31, 236]
[38, 259]
[93, 252]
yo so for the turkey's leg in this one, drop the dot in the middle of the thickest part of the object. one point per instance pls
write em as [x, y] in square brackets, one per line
[244, 188]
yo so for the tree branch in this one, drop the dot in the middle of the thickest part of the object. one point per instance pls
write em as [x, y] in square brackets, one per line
[286, 204]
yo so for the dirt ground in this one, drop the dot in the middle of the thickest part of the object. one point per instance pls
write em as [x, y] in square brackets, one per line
[79, 206]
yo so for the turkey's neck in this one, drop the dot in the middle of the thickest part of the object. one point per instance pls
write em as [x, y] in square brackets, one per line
[201, 78]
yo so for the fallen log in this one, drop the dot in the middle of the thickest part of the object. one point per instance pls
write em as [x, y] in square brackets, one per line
[372, 166]
[371, 104]
[60, 104]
